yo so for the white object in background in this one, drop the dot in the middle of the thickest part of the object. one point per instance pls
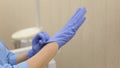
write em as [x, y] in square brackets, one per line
[51, 64]
[26, 33]
[22, 38]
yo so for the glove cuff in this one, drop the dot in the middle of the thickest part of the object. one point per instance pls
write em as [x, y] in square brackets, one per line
[50, 41]
[30, 54]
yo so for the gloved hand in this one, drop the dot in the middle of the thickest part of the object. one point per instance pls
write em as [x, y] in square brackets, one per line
[69, 30]
[38, 42]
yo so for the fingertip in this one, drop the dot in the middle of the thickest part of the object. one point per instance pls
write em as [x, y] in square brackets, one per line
[81, 22]
[83, 19]
[84, 9]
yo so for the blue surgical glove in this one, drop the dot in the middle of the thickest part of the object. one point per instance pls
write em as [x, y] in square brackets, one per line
[69, 30]
[37, 43]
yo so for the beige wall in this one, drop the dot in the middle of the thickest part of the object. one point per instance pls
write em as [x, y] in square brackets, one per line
[97, 43]
[15, 15]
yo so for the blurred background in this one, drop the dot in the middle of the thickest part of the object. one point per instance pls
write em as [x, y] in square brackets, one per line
[97, 42]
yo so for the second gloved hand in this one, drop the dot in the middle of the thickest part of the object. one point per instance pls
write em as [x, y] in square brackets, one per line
[38, 42]
[69, 30]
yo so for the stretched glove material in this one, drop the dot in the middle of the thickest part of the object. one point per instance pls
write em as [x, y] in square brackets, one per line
[69, 30]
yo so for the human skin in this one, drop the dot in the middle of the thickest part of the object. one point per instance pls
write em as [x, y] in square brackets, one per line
[42, 58]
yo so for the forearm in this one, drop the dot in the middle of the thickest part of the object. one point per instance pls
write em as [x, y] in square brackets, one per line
[21, 58]
[43, 56]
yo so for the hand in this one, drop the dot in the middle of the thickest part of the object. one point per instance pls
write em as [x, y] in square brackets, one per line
[38, 42]
[69, 30]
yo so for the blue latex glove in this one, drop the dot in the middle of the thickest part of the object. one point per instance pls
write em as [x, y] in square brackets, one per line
[37, 43]
[69, 30]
